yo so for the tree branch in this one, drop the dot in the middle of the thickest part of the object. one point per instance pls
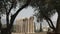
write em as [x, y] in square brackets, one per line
[49, 24]
[52, 26]
[47, 18]
[10, 8]
[14, 16]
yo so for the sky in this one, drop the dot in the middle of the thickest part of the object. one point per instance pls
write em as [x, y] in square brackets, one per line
[27, 12]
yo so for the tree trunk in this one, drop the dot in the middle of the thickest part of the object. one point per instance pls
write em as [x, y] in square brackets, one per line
[0, 24]
[58, 24]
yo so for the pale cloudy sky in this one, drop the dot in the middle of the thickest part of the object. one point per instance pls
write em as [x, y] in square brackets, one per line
[27, 12]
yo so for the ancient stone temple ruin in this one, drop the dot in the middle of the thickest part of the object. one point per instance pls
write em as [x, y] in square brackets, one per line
[25, 25]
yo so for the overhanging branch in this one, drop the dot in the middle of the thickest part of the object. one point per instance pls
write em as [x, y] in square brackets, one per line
[14, 16]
